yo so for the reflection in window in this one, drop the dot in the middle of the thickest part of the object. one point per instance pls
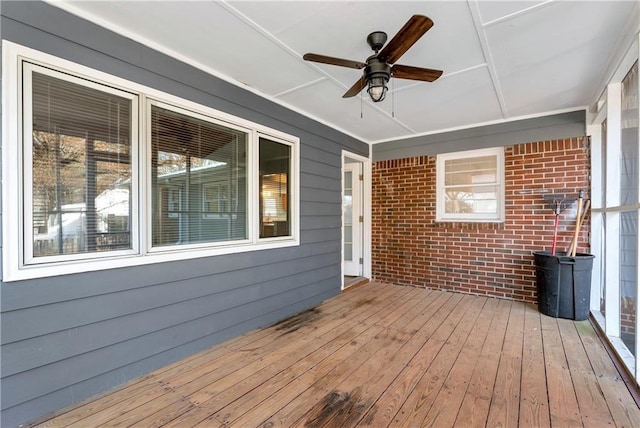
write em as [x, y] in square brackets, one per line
[81, 169]
[629, 147]
[199, 180]
[275, 161]
[470, 185]
[215, 200]
[629, 193]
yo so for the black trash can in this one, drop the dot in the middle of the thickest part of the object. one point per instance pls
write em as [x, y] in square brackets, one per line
[564, 284]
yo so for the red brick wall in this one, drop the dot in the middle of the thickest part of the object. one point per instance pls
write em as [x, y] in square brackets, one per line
[410, 248]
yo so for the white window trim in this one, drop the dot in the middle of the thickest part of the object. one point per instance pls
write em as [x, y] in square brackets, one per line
[14, 268]
[26, 252]
[204, 114]
[294, 165]
[470, 217]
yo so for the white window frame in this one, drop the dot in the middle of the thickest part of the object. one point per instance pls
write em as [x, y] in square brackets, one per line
[294, 165]
[201, 113]
[16, 267]
[441, 215]
[26, 252]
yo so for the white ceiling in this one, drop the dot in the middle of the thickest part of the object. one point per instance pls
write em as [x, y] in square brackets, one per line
[502, 60]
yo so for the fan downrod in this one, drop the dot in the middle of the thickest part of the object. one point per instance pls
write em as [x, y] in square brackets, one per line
[376, 40]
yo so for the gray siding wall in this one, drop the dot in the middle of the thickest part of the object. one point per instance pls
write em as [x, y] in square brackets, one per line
[558, 126]
[69, 337]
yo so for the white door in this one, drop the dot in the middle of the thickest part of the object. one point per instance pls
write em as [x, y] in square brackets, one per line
[352, 220]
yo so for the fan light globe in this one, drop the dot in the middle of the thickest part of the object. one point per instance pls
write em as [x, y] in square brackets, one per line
[377, 89]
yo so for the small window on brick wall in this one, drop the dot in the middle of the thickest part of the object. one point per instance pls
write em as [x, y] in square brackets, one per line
[470, 186]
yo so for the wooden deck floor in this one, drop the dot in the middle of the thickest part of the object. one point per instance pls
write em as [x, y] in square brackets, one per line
[384, 355]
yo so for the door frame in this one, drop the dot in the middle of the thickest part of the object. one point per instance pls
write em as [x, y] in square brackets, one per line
[366, 213]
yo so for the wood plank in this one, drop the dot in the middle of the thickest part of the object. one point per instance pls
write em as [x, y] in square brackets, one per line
[290, 404]
[591, 402]
[435, 303]
[505, 402]
[563, 404]
[361, 388]
[534, 404]
[621, 404]
[392, 399]
[474, 409]
[421, 399]
[445, 407]
[228, 389]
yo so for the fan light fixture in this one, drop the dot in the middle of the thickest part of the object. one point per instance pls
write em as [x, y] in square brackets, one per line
[377, 75]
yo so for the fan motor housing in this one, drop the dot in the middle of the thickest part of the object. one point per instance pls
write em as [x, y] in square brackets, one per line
[376, 68]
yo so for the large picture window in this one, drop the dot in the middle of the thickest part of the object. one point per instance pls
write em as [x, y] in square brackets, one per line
[108, 173]
[470, 185]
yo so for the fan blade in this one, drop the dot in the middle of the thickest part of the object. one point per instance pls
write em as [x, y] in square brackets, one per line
[356, 88]
[415, 73]
[415, 27]
[333, 61]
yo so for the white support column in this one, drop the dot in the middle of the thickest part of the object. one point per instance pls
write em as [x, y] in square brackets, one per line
[595, 132]
[612, 219]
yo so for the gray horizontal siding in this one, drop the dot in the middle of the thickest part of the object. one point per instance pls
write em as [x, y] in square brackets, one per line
[69, 337]
[65, 315]
[564, 125]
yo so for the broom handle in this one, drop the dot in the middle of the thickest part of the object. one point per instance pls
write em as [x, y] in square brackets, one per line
[584, 214]
[575, 234]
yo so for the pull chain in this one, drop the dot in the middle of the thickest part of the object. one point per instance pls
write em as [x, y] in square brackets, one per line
[393, 98]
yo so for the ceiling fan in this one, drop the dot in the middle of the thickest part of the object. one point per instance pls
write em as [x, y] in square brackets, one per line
[381, 66]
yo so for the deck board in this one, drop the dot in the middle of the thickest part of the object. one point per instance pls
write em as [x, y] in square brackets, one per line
[505, 402]
[477, 400]
[383, 355]
[534, 406]
[445, 407]
[563, 404]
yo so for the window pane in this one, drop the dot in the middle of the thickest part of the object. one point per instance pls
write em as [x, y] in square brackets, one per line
[347, 214]
[81, 168]
[198, 179]
[478, 170]
[275, 161]
[629, 147]
[471, 199]
[628, 277]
